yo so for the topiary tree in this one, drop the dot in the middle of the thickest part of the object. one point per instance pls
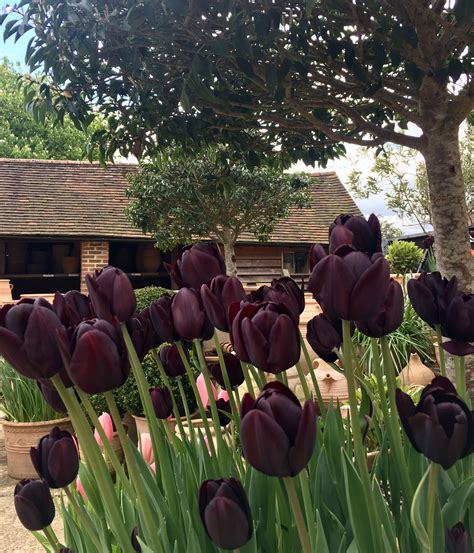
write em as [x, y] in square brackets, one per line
[404, 257]
[179, 198]
[308, 76]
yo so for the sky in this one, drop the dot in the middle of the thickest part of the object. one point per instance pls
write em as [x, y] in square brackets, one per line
[15, 52]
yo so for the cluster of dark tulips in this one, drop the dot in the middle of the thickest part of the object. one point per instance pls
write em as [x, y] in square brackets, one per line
[81, 340]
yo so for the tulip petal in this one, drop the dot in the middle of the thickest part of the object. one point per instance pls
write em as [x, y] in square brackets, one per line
[370, 290]
[265, 444]
[226, 523]
[255, 344]
[285, 347]
[455, 347]
[246, 405]
[423, 301]
[11, 348]
[303, 448]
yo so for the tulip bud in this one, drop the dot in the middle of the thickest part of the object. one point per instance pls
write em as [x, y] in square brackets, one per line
[457, 539]
[141, 334]
[441, 426]
[264, 334]
[316, 253]
[277, 435]
[134, 539]
[197, 265]
[283, 291]
[28, 338]
[72, 308]
[352, 287]
[234, 371]
[162, 402]
[56, 459]
[202, 389]
[98, 359]
[216, 297]
[356, 233]
[111, 294]
[325, 336]
[459, 325]
[51, 396]
[190, 319]
[172, 362]
[80, 489]
[146, 448]
[107, 426]
[162, 320]
[34, 504]
[390, 316]
[225, 512]
[223, 408]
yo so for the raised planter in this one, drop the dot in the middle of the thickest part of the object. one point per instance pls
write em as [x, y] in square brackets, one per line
[143, 428]
[20, 437]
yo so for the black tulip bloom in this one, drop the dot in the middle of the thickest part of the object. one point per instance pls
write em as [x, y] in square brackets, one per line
[352, 287]
[277, 435]
[134, 540]
[224, 409]
[234, 371]
[96, 358]
[441, 426]
[189, 317]
[111, 294]
[430, 294]
[316, 253]
[56, 459]
[222, 291]
[325, 336]
[356, 233]
[51, 396]
[141, 333]
[197, 265]
[72, 308]
[162, 320]
[162, 402]
[427, 242]
[28, 338]
[283, 291]
[65, 550]
[225, 512]
[459, 325]
[390, 316]
[34, 504]
[265, 335]
[172, 362]
[457, 539]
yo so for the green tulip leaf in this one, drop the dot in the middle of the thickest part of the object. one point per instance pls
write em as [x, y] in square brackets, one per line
[460, 499]
[321, 545]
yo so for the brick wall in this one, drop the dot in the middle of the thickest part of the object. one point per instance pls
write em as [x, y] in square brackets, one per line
[94, 255]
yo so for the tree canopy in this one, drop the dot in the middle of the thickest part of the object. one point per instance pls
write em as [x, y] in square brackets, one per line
[23, 137]
[179, 198]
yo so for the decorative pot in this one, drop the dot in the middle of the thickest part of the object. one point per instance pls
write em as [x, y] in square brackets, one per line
[143, 428]
[416, 373]
[332, 384]
[311, 309]
[20, 437]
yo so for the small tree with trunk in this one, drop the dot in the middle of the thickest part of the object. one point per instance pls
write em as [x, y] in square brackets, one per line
[180, 198]
[309, 76]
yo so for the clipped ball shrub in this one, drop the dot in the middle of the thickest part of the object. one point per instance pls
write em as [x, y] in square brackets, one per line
[404, 257]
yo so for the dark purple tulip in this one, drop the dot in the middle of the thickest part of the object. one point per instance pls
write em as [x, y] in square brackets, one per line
[283, 291]
[225, 512]
[111, 294]
[430, 295]
[51, 396]
[234, 370]
[325, 336]
[72, 308]
[141, 334]
[457, 539]
[352, 287]
[34, 504]
[390, 316]
[96, 358]
[172, 362]
[357, 233]
[65, 550]
[189, 317]
[134, 539]
[277, 435]
[224, 411]
[28, 338]
[56, 459]
[265, 335]
[197, 265]
[162, 402]
[316, 253]
[222, 291]
[427, 242]
[441, 426]
[162, 320]
[459, 325]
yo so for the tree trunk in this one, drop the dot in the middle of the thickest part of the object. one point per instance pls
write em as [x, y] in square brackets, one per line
[229, 257]
[448, 205]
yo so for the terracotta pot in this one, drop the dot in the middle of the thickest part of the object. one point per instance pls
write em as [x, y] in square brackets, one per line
[131, 426]
[19, 437]
[332, 384]
[143, 428]
[70, 264]
[311, 309]
[436, 352]
[371, 458]
[416, 373]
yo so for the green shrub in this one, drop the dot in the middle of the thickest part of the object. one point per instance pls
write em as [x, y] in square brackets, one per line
[146, 296]
[404, 257]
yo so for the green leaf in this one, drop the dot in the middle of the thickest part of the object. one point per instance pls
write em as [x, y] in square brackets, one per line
[321, 545]
[458, 502]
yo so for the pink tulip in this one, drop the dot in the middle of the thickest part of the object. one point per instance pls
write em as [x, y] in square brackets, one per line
[80, 488]
[223, 395]
[153, 467]
[201, 386]
[106, 423]
[146, 448]
[206, 441]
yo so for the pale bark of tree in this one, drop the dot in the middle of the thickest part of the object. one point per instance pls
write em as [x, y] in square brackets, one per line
[229, 256]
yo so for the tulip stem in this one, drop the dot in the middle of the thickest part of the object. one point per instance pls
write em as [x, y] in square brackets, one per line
[192, 432]
[52, 538]
[298, 515]
[460, 368]
[304, 383]
[314, 380]
[442, 355]
[225, 375]
[248, 379]
[84, 518]
[108, 449]
[431, 502]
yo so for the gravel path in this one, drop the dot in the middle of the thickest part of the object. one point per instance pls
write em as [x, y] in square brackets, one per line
[14, 538]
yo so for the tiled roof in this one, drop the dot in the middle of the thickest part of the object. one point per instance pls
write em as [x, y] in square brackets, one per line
[73, 199]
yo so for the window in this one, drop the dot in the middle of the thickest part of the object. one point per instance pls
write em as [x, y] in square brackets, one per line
[295, 262]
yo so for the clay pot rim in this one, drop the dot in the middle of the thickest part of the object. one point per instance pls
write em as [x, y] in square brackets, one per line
[38, 424]
[194, 416]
